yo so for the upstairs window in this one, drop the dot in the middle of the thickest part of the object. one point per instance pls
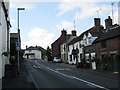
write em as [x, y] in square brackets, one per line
[68, 49]
[90, 40]
[103, 44]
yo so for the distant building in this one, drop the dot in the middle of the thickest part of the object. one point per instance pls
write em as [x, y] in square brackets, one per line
[33, 53]
[4, 36]
[56, 45]
[64, 49]
[13, 48]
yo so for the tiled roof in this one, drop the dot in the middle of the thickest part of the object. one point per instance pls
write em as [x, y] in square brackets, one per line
[96, 34]
[111, 33]
[67, 37]
[92, 30]
[35, 48]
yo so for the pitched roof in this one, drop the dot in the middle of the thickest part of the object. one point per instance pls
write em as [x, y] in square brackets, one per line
[92, 30]
[13, 35]
[73, 41]
[111, 33]
[67, 37]
[96, 34]
[35, 48]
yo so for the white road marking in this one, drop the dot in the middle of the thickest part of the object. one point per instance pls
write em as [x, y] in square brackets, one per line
[60, 69]
[73, 77]
[32, 78]
[89, 83]
[37, 67]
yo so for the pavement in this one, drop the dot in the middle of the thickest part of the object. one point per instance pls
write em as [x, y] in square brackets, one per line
[13, 80]
[109, 74]
[24, 81]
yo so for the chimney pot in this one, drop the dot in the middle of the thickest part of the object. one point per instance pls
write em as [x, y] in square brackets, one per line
[108, 22]
[73, 33]
[63, 32]
[97, 21]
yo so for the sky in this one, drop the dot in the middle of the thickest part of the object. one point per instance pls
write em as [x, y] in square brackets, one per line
[42, 20]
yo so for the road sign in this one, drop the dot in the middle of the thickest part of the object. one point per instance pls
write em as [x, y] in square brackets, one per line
[17, 46]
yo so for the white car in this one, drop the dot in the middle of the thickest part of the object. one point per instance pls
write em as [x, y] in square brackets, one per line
[57, 60]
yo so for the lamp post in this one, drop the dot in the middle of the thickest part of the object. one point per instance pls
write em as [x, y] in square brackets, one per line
[112, 10]
[18, 43]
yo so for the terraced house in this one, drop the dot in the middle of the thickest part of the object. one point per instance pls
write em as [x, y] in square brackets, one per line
[76, 47]
[96, 48]
[56, 45]
[4, 36]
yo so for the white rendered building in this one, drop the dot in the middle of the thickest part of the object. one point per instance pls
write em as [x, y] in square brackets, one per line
[4, 36]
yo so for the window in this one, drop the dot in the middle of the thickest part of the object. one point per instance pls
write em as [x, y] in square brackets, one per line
[90, 40]
[85, 42]
[80, 56]
[80, 46]
[68, 49]
[70, 57]
[103, 44]
[64, 48]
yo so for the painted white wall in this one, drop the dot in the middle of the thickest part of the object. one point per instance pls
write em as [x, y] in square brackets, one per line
[3, 40]
[69, 53]
[76, 45]
[36, 52]
[88, 40]
[0, 45]
[63, 52]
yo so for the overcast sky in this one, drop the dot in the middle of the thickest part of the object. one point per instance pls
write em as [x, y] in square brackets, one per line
[42, 21]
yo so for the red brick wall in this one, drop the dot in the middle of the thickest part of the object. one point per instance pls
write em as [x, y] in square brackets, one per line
[56, 46]
[112, 45]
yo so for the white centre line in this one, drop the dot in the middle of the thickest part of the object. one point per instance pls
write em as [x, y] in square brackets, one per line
[73, 77]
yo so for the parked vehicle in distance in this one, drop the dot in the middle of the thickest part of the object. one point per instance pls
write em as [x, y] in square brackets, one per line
[57, 60]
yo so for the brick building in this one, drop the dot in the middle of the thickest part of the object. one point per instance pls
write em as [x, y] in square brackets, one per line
[56, 45]
[107, 48]
[13, 41]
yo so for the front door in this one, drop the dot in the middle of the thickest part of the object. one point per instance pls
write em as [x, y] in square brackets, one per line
[115, 63]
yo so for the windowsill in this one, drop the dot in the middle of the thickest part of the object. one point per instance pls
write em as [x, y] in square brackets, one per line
[103, 49]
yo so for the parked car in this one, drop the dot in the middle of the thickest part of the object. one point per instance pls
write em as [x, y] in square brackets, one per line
[57, 60]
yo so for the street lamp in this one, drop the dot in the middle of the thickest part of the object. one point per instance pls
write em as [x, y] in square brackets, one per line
[18, 43]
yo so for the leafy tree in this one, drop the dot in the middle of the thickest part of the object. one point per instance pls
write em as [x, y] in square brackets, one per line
[49, 53]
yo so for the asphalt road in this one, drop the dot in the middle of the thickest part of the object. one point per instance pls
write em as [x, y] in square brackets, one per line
[52, 75]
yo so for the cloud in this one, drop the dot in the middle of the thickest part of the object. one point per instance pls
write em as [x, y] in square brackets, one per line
[59, 0]
[26, 5]
[40, 37]
[66, 7]
[65, 25]
[83, 10]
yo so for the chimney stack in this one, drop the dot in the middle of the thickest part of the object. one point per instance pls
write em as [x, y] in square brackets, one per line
[63, 32]
[108, 22]
[97, 21]
[26, 46]
[73, 33]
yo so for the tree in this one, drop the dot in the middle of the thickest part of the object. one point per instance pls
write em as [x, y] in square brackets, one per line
[49, 53]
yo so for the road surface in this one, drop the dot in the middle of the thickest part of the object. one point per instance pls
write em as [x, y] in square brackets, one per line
[53, 75]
